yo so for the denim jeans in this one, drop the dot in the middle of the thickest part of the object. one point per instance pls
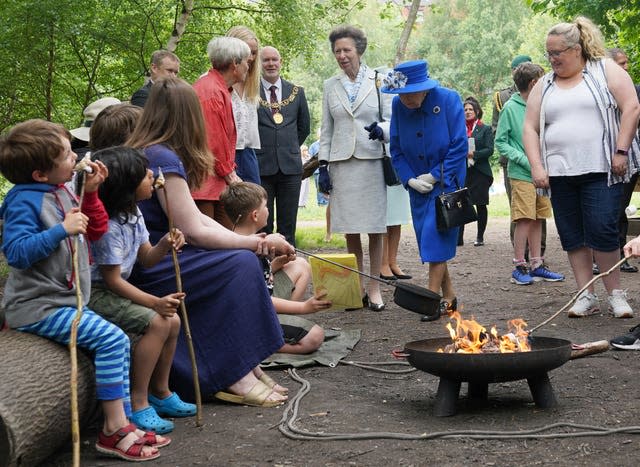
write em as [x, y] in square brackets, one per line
[586, 211]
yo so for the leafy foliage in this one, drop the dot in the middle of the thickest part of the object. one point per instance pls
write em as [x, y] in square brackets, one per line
[617, 19]
[63, 54]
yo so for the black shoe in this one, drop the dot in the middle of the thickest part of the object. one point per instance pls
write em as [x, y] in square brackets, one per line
[478, 242]
[596, 269]
[426, 318]
[365, 303]
[626, 267]
[376, 306]
[389, 278]
[460, 243]
[403, 276]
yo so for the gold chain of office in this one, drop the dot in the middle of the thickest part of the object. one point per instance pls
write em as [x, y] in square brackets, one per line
[283, 103]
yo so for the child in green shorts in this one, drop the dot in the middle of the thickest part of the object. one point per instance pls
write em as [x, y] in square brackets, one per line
[152, 318]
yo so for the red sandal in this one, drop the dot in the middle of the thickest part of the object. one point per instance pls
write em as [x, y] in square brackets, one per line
[108, 444]
[151, 439]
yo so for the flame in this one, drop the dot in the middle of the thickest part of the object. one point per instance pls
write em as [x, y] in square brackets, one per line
[469, 336]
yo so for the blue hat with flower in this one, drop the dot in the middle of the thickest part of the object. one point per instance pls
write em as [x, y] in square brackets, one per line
[408, 77]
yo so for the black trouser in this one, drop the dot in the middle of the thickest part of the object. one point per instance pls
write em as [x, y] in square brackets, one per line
[284, 190]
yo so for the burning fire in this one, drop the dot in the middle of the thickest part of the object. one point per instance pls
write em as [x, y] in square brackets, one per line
[469, 336]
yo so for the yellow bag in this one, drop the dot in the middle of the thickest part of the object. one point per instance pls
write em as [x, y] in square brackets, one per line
[342, 286]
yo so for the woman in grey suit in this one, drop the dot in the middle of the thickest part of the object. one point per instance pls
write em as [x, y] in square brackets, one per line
[351, 157]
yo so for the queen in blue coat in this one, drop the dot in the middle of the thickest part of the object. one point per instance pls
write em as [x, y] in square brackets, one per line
[429, 150]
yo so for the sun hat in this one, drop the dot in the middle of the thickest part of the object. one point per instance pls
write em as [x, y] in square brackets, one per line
[518, 59]
[90, 113]
[408, 77]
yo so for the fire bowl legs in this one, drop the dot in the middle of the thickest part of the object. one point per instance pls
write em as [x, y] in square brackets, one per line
[449, 391]
[542, 391]
[446, 398]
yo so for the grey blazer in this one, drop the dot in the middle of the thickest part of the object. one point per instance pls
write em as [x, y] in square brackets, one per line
[343, 135]
[280, 143]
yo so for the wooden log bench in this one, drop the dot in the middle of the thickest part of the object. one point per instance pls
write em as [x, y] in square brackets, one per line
[35, 414]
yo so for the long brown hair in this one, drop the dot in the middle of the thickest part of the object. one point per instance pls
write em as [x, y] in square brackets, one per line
[172, 116]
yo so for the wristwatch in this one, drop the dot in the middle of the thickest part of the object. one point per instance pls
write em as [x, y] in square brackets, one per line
[622, 152]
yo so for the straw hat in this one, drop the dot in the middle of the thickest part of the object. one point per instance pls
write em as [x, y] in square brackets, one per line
[90, 113]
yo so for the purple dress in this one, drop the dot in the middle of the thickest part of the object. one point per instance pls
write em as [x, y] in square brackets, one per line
[233, 323]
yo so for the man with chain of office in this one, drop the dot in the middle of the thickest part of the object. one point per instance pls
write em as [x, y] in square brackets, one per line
[284, 124]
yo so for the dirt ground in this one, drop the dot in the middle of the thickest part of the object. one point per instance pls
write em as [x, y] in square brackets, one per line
[600, 390]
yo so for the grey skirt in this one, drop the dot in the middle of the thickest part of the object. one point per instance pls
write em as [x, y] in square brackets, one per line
[359, 196]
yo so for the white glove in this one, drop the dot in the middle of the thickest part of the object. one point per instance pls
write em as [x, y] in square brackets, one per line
[428, 178]
[420, 185]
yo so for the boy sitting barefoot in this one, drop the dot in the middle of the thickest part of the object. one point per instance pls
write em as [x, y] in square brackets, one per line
[287, 277]
[41, 218]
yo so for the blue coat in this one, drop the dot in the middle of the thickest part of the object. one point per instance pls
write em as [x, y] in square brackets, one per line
[420, 140]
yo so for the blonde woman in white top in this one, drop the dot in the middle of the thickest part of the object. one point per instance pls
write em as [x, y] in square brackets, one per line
[244, 100]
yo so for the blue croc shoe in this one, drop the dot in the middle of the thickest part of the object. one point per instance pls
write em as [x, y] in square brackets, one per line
[172, 406]
[148, 420]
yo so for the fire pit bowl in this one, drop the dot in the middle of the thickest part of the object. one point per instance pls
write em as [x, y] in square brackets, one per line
[479, 370]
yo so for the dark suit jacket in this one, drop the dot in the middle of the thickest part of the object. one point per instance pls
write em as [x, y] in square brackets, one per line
[280, 143]
[139, 97]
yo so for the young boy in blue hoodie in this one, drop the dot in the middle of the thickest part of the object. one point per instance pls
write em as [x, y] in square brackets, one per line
[528, 209]
[41, 217]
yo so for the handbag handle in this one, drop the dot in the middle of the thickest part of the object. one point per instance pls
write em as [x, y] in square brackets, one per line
[380, 118]
[455, 179]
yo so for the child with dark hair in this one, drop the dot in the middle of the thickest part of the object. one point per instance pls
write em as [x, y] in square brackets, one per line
[287, 276]
[40, 217]
[152, 318]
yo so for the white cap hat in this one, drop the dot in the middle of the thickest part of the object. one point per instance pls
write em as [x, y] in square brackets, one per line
[90, 113]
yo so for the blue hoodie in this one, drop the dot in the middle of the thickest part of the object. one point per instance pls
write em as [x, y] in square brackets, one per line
[39, 253]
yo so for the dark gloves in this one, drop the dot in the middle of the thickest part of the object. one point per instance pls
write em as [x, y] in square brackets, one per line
[375, 132]
[324, 180]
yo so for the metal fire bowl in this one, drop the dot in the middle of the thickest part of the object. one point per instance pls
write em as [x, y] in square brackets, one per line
[546, 354]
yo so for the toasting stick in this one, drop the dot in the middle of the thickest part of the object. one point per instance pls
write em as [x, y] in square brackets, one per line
[81, 169]
[159, 185]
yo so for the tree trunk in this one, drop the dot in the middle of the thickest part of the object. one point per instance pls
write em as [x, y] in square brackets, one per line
[406, 32]
[180, 25]
[35, 418]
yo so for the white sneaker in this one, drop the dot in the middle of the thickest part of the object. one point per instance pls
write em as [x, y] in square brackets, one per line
[618, 304]
[586, 304]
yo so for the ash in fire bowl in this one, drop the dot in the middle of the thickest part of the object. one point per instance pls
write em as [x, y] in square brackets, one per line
[470, 337]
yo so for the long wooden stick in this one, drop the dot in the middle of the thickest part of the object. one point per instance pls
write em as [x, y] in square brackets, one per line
[73, 341]
[159, 184]
[575, 297]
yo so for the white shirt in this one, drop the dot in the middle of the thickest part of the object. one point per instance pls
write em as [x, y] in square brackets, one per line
[245, 113]
[267, 88]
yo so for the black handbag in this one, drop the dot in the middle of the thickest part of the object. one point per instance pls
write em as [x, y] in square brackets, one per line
[454, 209]
[390, 175]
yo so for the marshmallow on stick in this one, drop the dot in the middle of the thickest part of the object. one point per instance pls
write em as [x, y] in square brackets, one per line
[83, 165]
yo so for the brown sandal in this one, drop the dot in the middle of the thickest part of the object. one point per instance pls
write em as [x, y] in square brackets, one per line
[108, 444]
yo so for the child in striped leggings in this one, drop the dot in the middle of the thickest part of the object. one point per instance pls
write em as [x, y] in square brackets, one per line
[40, 217]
